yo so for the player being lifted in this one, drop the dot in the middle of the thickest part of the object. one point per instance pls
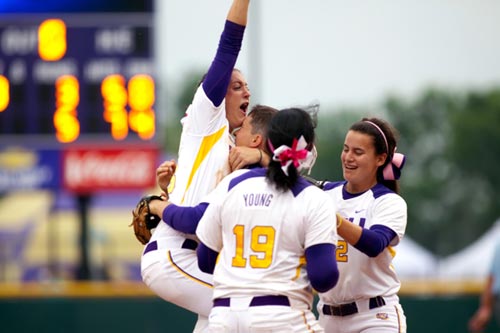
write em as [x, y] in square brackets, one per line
[168, 264]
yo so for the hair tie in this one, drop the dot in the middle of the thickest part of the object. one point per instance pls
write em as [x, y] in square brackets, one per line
[297, 154]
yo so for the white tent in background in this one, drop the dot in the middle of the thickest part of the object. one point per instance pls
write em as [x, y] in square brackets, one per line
[414, 261]
[474, 260]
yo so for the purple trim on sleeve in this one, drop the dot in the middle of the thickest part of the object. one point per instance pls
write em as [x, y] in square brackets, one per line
[206, 258]
[261, 172]
[184, 219]
[257, 172]
[300, 186]
[332, 185]
[218, 76]
[380, 190]
[322, 267]
[374, 240]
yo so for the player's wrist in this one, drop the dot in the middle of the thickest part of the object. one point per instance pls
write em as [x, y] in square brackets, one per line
[265, 159]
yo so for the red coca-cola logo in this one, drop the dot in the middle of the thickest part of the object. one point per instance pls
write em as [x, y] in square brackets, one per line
[90, 169]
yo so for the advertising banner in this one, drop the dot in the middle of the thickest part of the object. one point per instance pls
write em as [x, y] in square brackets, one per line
[89, 169]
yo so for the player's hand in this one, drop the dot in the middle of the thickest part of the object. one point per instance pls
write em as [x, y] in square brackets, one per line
[241, 157]
[164, 174]
[156, 207]
[478, 322]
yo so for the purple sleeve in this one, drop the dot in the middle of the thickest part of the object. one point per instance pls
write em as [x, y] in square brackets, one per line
[206, 258]
[322, 267]
[184, 219]
[374, 240]
[218, 76]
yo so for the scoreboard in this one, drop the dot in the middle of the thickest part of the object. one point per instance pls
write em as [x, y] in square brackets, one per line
[69, 76]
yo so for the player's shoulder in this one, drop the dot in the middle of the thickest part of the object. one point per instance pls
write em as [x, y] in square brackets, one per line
[202, 115]
[333, 185]
[380, 191]
[199, 101]
[315, 200]
[239, 176]
[387, 197]
[305, 186]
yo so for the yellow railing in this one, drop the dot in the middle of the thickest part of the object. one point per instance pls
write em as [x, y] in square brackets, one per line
[441, 287]
[74, 289]
[138, 289]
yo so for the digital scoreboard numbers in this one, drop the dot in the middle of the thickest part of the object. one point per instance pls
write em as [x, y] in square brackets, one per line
[74, 76]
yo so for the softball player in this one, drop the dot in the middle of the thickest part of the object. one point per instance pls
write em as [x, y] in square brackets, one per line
[372, 221]
[266, 224]
[169, 265]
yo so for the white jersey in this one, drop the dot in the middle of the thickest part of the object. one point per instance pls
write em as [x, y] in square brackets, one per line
[203, 157]
[262, 233]
[360, 276]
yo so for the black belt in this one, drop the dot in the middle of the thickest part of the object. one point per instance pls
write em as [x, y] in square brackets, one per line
[351, 308]
[257, 301]
[188, 244]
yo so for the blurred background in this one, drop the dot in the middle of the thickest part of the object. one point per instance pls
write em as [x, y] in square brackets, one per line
[91, 94]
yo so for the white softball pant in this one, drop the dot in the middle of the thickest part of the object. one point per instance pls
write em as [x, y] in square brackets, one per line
[261, 314]
[173, 274]
[375, 315]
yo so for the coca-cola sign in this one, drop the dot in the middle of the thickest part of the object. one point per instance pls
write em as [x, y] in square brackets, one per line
[87, 169]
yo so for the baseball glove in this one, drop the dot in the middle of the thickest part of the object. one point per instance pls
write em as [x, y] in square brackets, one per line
[142, 219]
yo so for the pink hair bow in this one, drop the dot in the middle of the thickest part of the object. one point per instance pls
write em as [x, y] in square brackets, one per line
[392, 171]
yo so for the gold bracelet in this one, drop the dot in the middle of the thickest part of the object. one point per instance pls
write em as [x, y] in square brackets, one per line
[339, 218]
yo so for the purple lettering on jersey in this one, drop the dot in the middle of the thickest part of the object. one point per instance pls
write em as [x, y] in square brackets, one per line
[362, 222]
[257, 199]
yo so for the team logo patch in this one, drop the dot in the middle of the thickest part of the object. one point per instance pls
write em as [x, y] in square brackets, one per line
[382, 315]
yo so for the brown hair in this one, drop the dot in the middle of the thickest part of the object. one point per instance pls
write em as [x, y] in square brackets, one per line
[260, 118]
[384, 140]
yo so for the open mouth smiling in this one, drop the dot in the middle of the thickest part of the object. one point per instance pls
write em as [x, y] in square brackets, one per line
[244, 107]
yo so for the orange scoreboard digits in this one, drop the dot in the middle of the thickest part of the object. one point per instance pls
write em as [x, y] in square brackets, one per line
[65, 117]
[114, 94]
[4, 93]
[52, 39]
[141, 99]
[78, 76]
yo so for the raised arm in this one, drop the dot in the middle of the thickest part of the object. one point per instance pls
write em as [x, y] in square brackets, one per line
[218, 76]
[238, 12]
